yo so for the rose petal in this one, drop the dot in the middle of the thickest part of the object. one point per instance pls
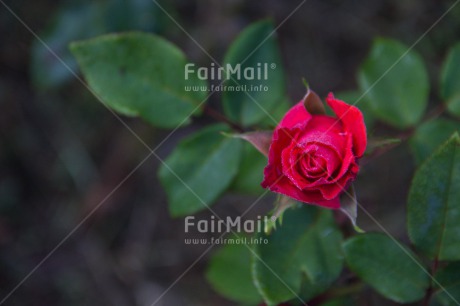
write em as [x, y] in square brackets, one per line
[284, 186]
[325, 130]
[348, 160]
[288, 162]
[312, 165]
[276, 181]
[281, 139]
[334, 189]
[298, 114]
[330, 155]
[353, 122]
[302, 175]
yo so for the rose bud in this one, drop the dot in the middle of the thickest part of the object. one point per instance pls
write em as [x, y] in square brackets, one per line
[313, 157]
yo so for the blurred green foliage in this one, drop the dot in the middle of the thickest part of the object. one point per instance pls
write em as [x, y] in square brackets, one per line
[116, 257]
[434, 206]
[255, 48]
[388, 266]
[77, 20]
[140, 74]
[199, 170]
[229, 272]
[395, 82]
[302, 257]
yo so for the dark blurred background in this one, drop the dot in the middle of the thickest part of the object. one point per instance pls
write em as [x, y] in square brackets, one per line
[62, 152]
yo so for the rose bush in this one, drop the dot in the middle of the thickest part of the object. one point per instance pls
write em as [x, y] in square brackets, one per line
[303, 254]
[314, 157]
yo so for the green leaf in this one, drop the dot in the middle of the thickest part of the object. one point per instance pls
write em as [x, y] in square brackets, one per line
[430, 135]
[203, 165]
[302, 256]
[448, 286]
[355, 98]
[83, 20]
[434, 206]
[229, 273]
[381, 263]
[140, 74]
[251, 171]
[396, 83]
[450, 81]
[450, 75]
[255, 48]
[453, 105]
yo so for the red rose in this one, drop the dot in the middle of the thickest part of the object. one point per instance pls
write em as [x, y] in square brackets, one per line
[312, 157]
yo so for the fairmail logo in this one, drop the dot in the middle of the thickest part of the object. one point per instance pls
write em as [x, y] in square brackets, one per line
[214, 225]
[230, 72]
